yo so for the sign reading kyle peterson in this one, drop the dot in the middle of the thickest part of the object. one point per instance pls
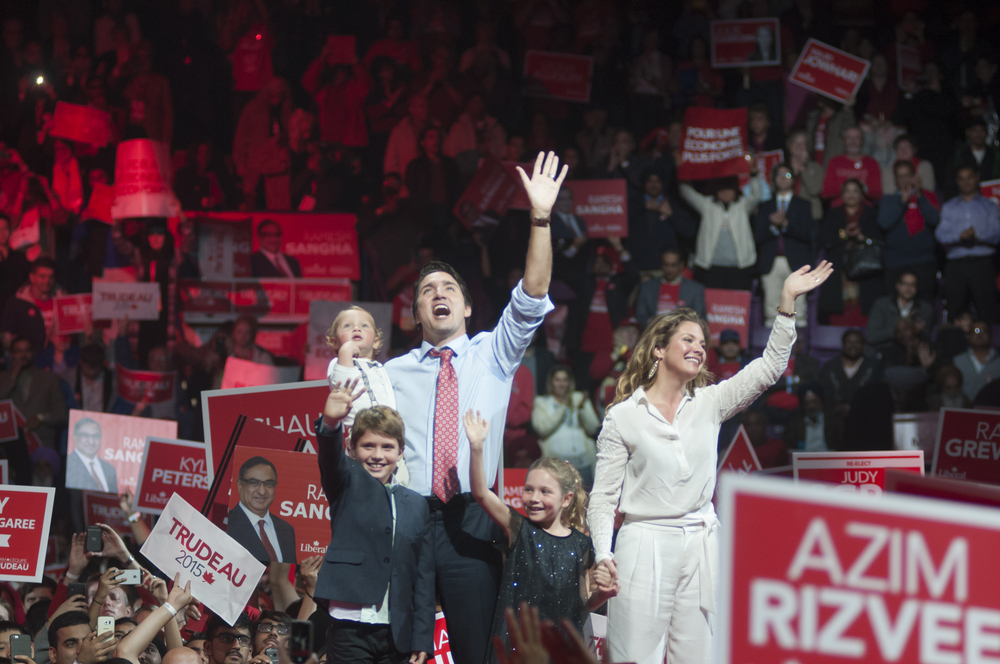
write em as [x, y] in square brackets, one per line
[171, 466]
[714, 144]
[845, 578]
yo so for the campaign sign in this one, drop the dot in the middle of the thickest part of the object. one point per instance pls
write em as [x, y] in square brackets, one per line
[109, 447]
[714, 144]
[829, 71]
[30, 437]
[8, 421]
[243, 373]
[102, 197]
[263, 297]
[208, 297]
[751, 42]
[148, 386]
[908, 65]
[83, 124]
[855, 472]
[814, 577]
[224, 246]
[493, 188]
[602, 204]
[321, 317]
[222, 573]
[764, 164]
[442, 646]
[991, 190]
[285, 341]
[513, 487]
[939, 487]
[73, 313]
[740, 456]
[968, 445]
[308, 291]
[25, 515]
[135, 301]
[298, 507]
[325, 245]
[557, 75]
[727, 309]
[99, 507]
[171, 466]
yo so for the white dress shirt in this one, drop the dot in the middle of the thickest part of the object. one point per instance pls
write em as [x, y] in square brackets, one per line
[272, 535]
[666, 471]
[94, 467]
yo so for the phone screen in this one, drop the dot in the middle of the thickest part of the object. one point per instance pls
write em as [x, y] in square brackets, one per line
[300, 641]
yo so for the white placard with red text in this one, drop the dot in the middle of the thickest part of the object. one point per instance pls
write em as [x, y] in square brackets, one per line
[135, 301]
[223, 574]
[829, 71]
[740, 456]
[815, 576]
[171, 466]
[862, 472]
[968, 445]
[25, 515]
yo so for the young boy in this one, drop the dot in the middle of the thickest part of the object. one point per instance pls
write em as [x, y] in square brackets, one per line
[378, 573]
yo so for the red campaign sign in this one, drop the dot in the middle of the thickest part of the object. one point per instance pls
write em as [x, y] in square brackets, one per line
[102, 196]
[714, 144]
[727, 309]
[746, 43]
[8, 421]
[171, 466]
[908, 65]
[513, 487]
[306, 292]
[938, 487]
[740, 457]
[298, 502]
[558, 76]
[104, 508]
[210, 297]
[25, 515]
[602, 204]
[224, 245]
[288, 343]
[442, 647]
[81, 123]
[325, 245]
[30, 437]
[819, 577]
[990, 190]
[855, 472]
[492, 189]
[264, 296]
[765, 163]
[520, 200]
[148, 386]
[968, 445]
[829, 71]
[73, 313]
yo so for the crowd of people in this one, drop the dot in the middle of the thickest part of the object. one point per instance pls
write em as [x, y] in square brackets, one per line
[384, 110]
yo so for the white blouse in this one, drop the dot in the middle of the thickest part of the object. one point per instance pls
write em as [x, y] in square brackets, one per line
[660, 470]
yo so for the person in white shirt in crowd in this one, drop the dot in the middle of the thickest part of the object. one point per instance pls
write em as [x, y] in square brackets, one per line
[566, 422]
[656, 463]
[269, 262]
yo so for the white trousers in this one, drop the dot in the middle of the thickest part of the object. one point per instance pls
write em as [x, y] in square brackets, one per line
[669, 579]
[772, 283]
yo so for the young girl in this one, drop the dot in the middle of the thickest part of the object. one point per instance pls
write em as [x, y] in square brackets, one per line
[549, 559]
[356, 339]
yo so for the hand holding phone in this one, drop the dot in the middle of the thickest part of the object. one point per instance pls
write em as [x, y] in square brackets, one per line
[77, 589]
[300, 641]
[20, 644]
[95, 539]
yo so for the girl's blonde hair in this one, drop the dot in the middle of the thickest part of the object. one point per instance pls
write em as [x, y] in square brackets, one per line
[331, 334]
[658, 335]
[575, 515]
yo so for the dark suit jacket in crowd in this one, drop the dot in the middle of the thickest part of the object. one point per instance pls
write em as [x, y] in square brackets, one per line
[364, 557]
[831, 293]
[79, 477]
[262, 268]
[799, 234]
[691, 293]
[246, 533]
[562, 239]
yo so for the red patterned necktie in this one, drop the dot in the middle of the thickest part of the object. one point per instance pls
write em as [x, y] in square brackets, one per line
[445, 484]
[267, 542]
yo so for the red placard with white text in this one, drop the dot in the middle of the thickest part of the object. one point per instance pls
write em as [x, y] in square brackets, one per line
[325, 245]
[73, 313]
[815, 577]
[991, 190]
[714, 144]
[908, 65]
[492, 189]
[25, 515]
[727, 309]
[740, 456]
[940, 487]
[764, 164]
[8, 421]
[829, 71]
[513, 487]
[968, 445]
[753, 42]
[171, 466]
[852, 472]
[442, 646]
[602, 204]
[148, 386]
[104, 508]
[557, 75]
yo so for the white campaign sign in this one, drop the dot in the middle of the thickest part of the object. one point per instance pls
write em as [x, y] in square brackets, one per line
[223, 574]
[136, 301]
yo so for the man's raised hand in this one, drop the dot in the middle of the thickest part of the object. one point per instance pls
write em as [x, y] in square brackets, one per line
[543, 185]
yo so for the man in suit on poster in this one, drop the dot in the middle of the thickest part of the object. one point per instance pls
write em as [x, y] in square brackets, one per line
[83, 469]
[269, 262]
[268, 537]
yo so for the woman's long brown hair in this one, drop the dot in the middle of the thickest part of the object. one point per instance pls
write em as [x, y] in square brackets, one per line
[658, 334]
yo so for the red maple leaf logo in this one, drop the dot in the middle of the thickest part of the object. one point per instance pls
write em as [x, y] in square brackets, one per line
[209, 579]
